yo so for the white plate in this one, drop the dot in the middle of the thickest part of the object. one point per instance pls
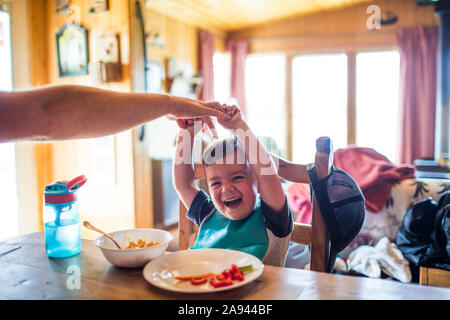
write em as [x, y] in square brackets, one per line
[162, 271]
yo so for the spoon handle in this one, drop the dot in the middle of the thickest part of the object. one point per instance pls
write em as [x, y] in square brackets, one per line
[90, 226]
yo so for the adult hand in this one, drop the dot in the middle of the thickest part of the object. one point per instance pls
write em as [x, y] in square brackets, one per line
[233, 120]
[184, 108]
[213, 108]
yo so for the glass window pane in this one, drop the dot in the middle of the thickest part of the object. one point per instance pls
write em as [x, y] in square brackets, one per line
[5, 53]
[319, 103]
[265, 98]
[222, 77]
[222, 84]
[377, 87]
[9, 203]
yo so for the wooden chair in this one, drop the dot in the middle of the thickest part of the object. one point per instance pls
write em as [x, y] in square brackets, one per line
[434, 277]
[314, 235]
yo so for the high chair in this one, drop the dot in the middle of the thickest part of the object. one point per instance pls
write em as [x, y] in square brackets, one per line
[313, 235]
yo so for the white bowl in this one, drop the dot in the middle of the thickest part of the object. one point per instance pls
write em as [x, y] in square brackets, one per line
[133, 258]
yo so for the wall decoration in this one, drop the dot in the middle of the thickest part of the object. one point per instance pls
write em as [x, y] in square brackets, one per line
[71, 42]
[106, 65]
[99, 6]
[107, 48]
[63, 6]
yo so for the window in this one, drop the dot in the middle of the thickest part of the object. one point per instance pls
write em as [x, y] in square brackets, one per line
[265, 99]
[377, 89]
[319, 103]
[222, 84]
[8, 190]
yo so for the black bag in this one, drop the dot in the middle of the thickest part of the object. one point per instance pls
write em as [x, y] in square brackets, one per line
[423, 237]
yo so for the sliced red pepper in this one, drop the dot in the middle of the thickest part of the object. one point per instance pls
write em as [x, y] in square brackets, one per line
[221, 283]
[226, 274]
[198, 280]
[236, 273]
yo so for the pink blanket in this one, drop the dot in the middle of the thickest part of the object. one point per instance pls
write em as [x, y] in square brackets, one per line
[299, 199]
[373, 172]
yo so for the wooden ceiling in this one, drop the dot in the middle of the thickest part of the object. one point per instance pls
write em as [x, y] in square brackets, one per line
[230, 15]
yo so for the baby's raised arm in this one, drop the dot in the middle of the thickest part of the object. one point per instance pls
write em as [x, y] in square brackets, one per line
[183, 170]
[259, 159]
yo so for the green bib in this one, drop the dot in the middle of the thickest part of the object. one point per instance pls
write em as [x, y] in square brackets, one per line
[247, 235]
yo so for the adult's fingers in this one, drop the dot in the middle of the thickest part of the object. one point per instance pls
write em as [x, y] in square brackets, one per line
[212, 104]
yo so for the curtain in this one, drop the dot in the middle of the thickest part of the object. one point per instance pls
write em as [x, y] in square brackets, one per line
[418, 82]
[206, 52]
[238, 50]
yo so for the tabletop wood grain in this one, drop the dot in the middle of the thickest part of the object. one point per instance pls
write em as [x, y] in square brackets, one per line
[27, 273]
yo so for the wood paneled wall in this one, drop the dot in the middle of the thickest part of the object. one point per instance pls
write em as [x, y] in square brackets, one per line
[113, 21]
[337, 30]
[109, 206]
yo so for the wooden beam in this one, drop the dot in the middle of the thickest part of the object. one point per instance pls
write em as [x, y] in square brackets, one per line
[351, 98]
[302, 233]
[288, 107]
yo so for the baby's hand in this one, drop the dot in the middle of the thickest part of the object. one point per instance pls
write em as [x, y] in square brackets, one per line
[189, 124]
[236, 120]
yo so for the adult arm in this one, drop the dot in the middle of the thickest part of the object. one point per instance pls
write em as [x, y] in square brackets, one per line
[291, 171]
[77, 112]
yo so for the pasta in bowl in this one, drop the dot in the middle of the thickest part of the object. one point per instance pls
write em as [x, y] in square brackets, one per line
[139, 246]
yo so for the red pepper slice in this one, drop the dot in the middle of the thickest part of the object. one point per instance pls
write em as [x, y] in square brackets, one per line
[221, 283]
[198, 281]
[236, 273]
[226, 274]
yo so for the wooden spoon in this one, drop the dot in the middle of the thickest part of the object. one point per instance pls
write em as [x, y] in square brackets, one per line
[90, 226]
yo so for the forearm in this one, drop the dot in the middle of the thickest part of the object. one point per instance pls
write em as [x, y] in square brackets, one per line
[291, 171]
[263, 166]
[75, 112]
[183, 170]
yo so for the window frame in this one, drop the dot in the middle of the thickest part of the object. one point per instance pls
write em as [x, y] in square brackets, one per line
[351, 91]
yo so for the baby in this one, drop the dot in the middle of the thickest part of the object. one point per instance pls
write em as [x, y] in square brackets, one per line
[247, 209]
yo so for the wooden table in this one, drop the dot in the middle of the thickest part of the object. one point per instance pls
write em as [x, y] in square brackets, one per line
[27, 273]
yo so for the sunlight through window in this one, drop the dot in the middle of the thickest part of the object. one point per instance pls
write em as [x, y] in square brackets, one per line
[377, 87]
[319, 103]
[265, 98]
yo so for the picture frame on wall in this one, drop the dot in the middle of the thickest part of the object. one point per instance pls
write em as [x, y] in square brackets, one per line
[71, 43]
[99, 6]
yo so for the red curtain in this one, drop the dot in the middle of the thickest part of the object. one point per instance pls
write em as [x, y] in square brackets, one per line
[206, 52]
[418, 79]
[238, 50]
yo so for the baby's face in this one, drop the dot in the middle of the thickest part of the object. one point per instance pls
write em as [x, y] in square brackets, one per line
[233, 189]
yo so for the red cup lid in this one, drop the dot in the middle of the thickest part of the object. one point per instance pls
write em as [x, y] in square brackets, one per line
[74, 182]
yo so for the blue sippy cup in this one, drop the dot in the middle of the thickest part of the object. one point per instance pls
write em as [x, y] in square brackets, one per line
[61, 218]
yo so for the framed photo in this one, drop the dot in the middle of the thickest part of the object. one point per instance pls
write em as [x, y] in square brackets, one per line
[106, 48]
[71, 43]
[99, 6]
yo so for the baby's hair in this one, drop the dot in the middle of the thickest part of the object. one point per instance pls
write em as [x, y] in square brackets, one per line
[217, 151]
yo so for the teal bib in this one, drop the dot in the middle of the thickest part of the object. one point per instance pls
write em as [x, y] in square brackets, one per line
[247, 235]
